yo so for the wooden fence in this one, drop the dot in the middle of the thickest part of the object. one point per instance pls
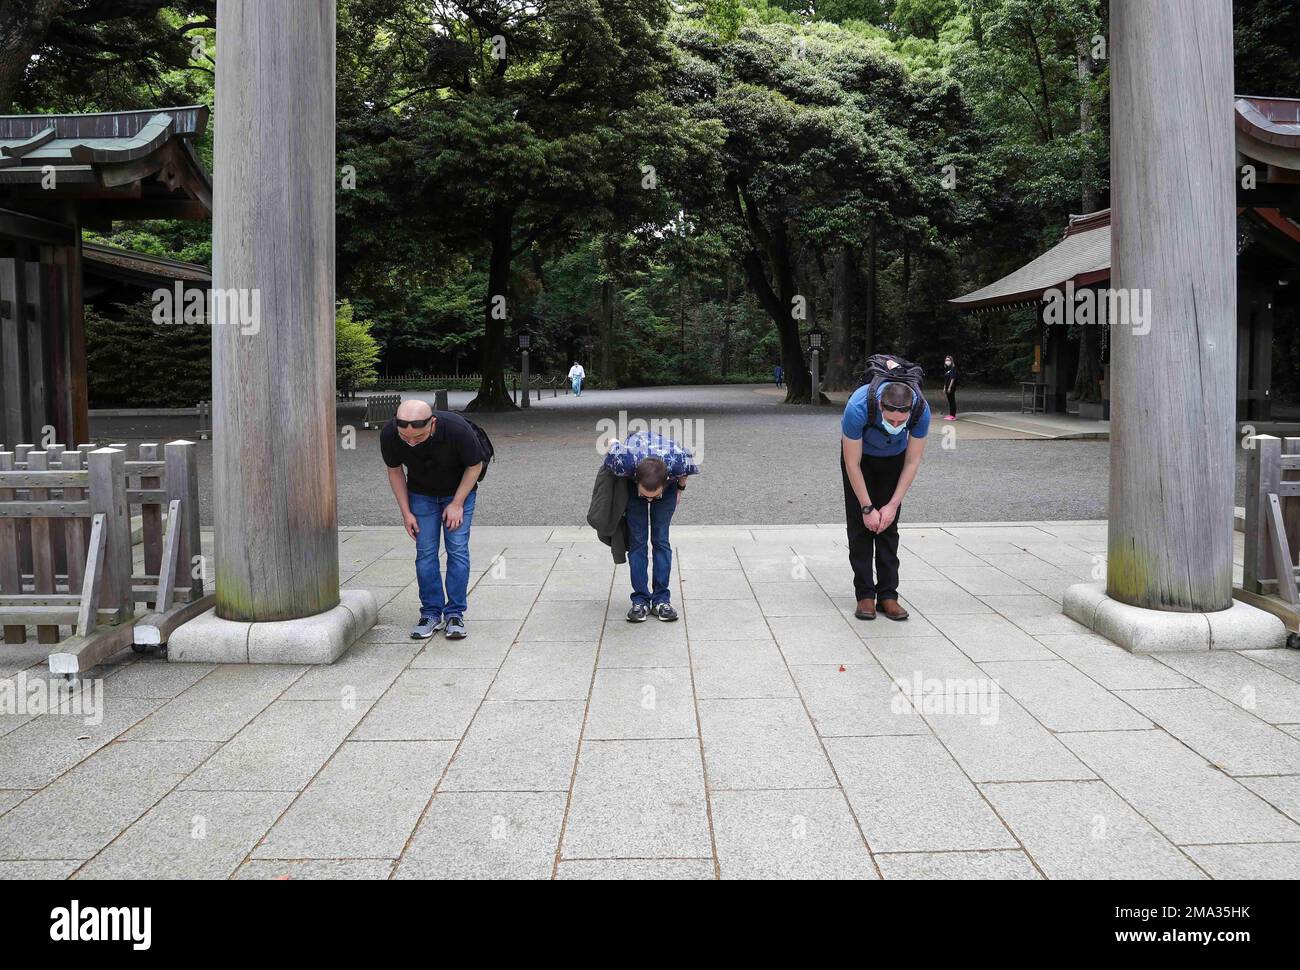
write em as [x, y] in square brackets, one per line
[67, 560]
[1272, 518]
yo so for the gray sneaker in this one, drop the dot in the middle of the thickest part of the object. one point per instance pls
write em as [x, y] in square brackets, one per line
[664, 611]
[426, 628]
[455, 628]
[638, 613]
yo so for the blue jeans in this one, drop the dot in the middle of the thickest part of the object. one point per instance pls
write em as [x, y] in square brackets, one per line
[653, 517]
[433, 602]
[577, 386]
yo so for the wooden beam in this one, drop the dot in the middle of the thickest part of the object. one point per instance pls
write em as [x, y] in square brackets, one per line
[155, 628]
[82, 653]
[30, 228]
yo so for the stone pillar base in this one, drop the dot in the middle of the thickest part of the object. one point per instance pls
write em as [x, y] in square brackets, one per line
[319, 639]
[1240, 627]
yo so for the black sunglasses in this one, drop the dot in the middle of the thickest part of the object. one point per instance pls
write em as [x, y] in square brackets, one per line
[412, 424]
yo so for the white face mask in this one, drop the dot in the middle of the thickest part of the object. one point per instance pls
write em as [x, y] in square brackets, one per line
[891, 429]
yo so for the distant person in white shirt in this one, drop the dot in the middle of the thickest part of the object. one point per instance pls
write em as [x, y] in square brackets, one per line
[576, 376]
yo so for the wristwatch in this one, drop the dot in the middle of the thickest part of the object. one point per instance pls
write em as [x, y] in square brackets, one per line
[868, 509]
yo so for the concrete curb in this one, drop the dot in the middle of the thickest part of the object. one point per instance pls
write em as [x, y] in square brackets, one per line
[1240, 627]
[319, 639]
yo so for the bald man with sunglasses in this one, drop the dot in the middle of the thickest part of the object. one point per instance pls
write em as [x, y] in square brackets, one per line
[434, 459]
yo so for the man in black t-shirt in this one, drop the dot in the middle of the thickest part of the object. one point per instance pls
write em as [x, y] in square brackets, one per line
[442, 457]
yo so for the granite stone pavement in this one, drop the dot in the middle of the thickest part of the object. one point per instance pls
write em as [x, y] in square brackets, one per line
[767, 734]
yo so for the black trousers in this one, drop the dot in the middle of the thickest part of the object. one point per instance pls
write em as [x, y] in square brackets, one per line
[952, 401]
[881, 476]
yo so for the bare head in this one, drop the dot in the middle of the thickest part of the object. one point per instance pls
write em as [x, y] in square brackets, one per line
[415, 421]
[896, 404]
[651, 475]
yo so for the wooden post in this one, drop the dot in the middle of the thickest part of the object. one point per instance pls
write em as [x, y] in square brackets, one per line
[1174, 247]
[76, 534]
[11, 576]
[183, 486]
[151, 517]
[273, 425]
[42, 548]
[107, 495]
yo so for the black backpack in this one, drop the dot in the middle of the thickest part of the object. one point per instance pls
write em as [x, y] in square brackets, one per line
[485, 445]
[889, 369]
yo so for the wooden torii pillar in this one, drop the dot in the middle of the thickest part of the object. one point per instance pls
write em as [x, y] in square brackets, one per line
[273, 421]
[1173, 397]
[274, 501]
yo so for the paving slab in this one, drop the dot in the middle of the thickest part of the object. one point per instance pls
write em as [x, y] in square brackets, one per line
[1110, 665]
[486, 835]
[1252, 686]
[426, 704]
[1248, 861]
[910, 796]
[575, 621]
[818, 640]
[855, 700]
[85, 809]
[545, 670]
[989, 637]
[363, 805]
[190, 835]
[37, 752]
[757, 744]
[640, 703]
[1219, 731]
[1280, 791]
[1179, 792]
[788, 835]
[638, 799]
[726, 620]
[518, 746]
[1083, 830]
[981, 865]
[288, 869]
[1003, 744]
[637, 869]
[219, 705]
[281, 749]
[1063, 699]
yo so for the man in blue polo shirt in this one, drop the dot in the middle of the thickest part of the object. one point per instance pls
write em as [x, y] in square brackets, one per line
[879, 459]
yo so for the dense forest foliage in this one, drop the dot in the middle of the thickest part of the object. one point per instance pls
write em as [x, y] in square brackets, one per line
[670, 193]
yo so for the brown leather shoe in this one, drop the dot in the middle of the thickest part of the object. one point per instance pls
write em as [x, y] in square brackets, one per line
[891, 609]
[866, 610]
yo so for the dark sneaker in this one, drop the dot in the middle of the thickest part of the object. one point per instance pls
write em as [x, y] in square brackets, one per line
[638, 613]
[455, 628]
[427, 627]
[664, 611]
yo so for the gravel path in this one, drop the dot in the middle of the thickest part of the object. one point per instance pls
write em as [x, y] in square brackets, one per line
[762, 461]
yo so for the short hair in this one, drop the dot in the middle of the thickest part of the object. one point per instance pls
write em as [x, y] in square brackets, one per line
[651, 473]
[897, 396]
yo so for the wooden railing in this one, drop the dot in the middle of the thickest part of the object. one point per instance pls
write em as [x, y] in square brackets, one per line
[1272, 517]
[66, 555]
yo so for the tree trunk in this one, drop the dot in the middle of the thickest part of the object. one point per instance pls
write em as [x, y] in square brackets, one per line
[1173, 386]
[23, 26]
[606, 327]
[724, 359]
[869, 317]
[775, 294]
[843, 292]
[493, 395]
